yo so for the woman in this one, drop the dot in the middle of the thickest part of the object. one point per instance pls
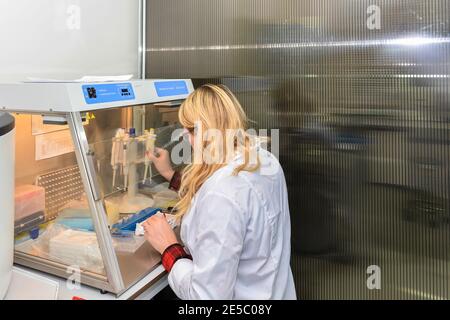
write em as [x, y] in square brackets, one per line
[235, 215]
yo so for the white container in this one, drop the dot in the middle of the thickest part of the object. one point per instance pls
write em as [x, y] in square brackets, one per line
[7, 183]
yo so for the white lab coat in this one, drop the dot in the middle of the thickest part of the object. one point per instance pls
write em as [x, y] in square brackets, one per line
[238, 232]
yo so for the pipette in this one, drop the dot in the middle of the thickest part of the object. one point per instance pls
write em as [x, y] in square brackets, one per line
[125, 162]
[150, 139]
[116, 153]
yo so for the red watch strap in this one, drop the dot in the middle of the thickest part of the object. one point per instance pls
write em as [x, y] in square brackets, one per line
[172, 254]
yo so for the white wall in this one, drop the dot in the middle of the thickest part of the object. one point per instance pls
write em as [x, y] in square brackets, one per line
[66, 39]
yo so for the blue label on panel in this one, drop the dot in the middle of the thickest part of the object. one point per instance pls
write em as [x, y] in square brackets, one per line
[109, 92]
[171, 88]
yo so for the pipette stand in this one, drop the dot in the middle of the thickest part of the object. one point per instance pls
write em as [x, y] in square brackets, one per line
[133, 202]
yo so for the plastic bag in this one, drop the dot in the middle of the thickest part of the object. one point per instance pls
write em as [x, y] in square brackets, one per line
[67, 246]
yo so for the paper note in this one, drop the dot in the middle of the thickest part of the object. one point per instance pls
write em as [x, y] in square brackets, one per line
[53, 144]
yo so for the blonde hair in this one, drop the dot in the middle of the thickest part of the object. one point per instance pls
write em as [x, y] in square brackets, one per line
[212, 107]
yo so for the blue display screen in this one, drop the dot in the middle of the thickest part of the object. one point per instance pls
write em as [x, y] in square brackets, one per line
[171, 88]
[109, 92]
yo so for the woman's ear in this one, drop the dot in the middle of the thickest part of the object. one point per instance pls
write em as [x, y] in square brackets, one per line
[189, 135]
[191, 138]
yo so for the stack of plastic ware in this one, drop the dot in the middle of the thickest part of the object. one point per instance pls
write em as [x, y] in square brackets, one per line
[30, 207]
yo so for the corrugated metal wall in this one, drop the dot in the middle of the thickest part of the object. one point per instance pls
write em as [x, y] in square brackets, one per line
[360, 92]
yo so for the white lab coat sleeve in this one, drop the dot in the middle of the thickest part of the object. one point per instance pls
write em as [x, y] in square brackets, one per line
[216, 252]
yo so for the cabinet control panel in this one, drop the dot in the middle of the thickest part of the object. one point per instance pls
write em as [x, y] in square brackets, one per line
[109, 92]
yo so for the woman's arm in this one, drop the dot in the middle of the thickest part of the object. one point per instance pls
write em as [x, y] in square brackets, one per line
[211, 274]
[161, 160]
[164, 167]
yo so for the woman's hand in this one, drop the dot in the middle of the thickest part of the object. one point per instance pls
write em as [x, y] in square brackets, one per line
[162, 163]
[159, 233]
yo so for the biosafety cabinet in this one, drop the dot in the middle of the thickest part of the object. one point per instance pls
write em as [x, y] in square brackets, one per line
[84, 182]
